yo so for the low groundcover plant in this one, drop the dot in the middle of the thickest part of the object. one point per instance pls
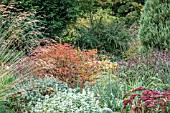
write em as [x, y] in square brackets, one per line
[68, 102]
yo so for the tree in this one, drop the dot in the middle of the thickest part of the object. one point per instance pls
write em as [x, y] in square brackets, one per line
[56, 14]
[155, 24]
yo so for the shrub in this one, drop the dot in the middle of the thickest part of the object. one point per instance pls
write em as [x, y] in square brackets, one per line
[105, 35]
[129, 10]
[5, 109]
[29, 91]
[65, 63]
[154, 24]
[69, 101]
[146, 100]
[132, 51]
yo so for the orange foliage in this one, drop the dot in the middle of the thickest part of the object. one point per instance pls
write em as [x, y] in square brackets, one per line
[65, 63]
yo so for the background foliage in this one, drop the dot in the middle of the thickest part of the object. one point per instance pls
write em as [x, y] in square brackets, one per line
[99, 44]
[55, 14]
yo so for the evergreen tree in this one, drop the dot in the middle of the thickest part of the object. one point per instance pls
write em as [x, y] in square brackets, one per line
[55, 14]
[155, 24]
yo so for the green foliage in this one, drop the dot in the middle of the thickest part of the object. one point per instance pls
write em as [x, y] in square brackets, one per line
[26, 93]
[8, 73]
[129, 10]
[67, 102]
[6, 1]
[7, 69]
[154, 24]
[49, 95]
[109, 90]
[150, 70]
[140, 75]
[5, 109]
[105, 35]
[55, 14]
[21, 29]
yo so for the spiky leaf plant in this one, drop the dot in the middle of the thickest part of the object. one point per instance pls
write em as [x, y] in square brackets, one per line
[8, 70]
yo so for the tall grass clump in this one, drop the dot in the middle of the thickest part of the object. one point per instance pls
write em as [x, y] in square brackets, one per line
[10, 57]
[8, 71]
[9, 74]
[20, 28]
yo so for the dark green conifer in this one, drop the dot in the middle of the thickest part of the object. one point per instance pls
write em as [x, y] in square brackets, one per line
[155, 24]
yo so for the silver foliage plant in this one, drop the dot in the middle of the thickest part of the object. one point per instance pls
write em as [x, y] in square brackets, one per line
[68, 102]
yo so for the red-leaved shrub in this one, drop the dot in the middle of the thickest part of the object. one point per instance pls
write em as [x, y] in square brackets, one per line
[65, 63]
[146, 100]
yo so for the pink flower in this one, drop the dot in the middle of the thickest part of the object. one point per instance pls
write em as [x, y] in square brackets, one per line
[120, 63]
[166, 94]
[162, 99]
[157, 96]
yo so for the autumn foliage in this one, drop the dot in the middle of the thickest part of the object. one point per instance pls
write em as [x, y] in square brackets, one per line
[65, 63]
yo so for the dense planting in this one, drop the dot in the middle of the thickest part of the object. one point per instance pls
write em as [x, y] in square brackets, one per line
[84, 56]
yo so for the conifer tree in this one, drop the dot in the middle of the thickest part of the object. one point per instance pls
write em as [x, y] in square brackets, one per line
[155, 24]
